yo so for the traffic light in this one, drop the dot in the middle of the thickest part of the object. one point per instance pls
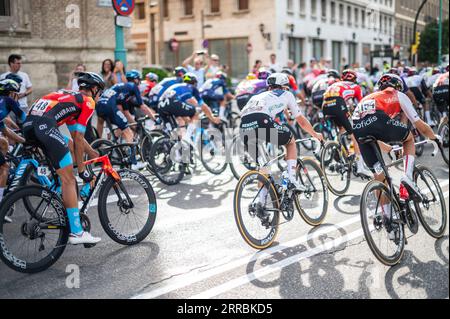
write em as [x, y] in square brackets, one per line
[417, 38]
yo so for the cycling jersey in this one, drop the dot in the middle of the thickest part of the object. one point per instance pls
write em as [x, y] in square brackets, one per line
[65, 107]
[161, 87]
[182, 92]
[442, 80]
[440, 92]
[122, 93]
[272, 103]
[248, 88]
[214, 89]
[346, 90]
[146, 87]
[8, 105]
[432, 79]
[319, 89]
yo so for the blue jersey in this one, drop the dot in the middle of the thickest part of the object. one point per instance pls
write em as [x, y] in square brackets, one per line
[161, 88]
[122, 92]
[214, 89]
[182, 92]
[8, 105]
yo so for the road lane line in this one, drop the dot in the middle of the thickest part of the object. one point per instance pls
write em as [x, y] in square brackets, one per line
[245, 279]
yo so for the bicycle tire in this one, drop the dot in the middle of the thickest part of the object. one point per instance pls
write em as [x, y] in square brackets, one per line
[443, 131]
[104, 216]
[423, 172]
[332, 146]
[386, 260]
[14, 198]
[164, 146]
[204, 151]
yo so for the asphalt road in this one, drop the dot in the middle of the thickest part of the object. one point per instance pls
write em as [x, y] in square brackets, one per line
[196, 251]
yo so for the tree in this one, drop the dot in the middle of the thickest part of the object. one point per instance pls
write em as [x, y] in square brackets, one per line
[429, 41]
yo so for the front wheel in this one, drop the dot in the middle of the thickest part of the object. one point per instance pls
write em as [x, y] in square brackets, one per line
[443, 131]
[127, 209]
[336, 168]
[167, 169]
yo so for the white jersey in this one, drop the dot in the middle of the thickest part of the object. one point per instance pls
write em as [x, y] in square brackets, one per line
[272, 103]
[414, 81]
[432, 79]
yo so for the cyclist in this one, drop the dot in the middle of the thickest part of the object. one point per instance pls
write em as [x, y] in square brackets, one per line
[161, 87]
[248, 88]
[440, 93]
[261, 112]
[181, 101]
[375, 116]
[293, 85]
[321, 86]
[42, 129]
[435, 74]
[337, 98]
[418, 87]
[151, 80]
[214, 92]
[406, 89]
[8, 90]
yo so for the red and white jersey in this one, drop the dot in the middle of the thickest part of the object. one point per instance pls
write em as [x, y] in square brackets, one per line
[442, 80]
[346, 90]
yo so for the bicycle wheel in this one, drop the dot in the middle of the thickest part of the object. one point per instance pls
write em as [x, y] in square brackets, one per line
[166, 170]
[212, 152]
[443, 131]
[312, 204]
[336, 168]
[432, 212]
[127, 209]
[146, 146]
[375, 226]
[256, 216]
[39, 232]
[240, 159]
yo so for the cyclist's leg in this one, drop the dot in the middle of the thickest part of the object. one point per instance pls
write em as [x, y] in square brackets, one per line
[4, 167]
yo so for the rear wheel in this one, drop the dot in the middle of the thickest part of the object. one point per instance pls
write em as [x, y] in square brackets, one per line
[336, 168]
[162, 159]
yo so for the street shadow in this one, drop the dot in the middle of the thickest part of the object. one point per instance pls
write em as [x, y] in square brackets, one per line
[430, 277]
[441, 250]
[321, 279]
[349, 201]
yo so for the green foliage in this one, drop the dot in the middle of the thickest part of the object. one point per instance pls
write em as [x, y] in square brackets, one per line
[428, 49]
[160, 72]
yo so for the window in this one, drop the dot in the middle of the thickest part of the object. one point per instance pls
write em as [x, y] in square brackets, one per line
[349, 15]
[324, 9]
[390, 25]
[341, 13]
[232, 52]
[215, 6]
[242, 5]
[296, 49]
[333, 12]
[385, 25]
[290, 6]
[401, 34]
[176, 58]
[188, 7]
[352, 52]
[318, 49]
[337, 49]
[166, 8]
[140, 11]
[356, 17]
[5, 8]
[302, 7]
[313, 8]
[363, 19]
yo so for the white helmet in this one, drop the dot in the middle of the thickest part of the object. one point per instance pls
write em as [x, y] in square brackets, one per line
[278, 79]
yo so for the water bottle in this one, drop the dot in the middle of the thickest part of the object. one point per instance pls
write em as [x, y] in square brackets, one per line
[85, 191]
[284, 180]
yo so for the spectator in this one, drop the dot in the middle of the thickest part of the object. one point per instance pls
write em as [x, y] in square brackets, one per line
[73, 81]
[293, 67]
[213, 66]
[273, 65]
[256, 67]
[26, 88]
[119, 73]
[198, 69]
[107, 72]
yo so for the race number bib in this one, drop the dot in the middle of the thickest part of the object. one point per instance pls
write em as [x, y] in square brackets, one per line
[42, 171]
[365, 108]
[40, 106]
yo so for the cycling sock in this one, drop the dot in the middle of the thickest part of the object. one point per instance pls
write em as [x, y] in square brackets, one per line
[292, 169]
[73, 215]
[189, 131]
[1, 193]
[222, 112]
[408, 162]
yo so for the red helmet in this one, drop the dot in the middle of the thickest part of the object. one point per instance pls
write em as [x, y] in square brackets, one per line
[390, 80]
[349, 75]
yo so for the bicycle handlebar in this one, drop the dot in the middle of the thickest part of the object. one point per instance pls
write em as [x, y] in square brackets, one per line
[436, 148]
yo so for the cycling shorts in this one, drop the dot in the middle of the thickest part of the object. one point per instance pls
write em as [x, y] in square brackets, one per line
[242, 100]
[109, 112]
[259, 126]
[176, 108]
[214, 104]
[317, 98]
[440, 96]
[44, 132]
[418, 95]
[336, 109]
[383, 128]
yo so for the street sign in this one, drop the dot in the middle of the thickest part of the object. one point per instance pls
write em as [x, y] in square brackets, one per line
[124, 7]
[124, 21]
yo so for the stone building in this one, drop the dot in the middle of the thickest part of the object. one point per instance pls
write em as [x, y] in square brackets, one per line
[55, 35]
[405, 13]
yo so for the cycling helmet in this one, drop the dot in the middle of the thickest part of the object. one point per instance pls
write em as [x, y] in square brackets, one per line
[8, 85]
[390, 80]
[152, 77]
[133, 75]
[179, 72]
[89, 80]
[14, 77]
[278, 80]
[393, 71]
[264, 74]
[190, 78]
[412, 71]
[334, 74]
[349, 75]
[221, 75]
[251, 76]
[287, 71]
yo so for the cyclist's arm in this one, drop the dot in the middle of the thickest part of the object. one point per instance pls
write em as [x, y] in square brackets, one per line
[20, 114]
[301, 120]
[79, 145]
[413, 117]
[12, 136]
[412, 97]
[11, 124]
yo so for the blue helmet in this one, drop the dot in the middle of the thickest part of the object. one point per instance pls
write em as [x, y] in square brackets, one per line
[133, 75]
[180, 71]
[221, 75]
[8, 85]
[14, 77]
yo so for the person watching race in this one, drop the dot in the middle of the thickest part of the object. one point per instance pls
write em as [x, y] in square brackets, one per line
[8, 103]
[375, 116]
[260, 114]
[215, 92]
[42, 129]
[337, 100]
[181, 101]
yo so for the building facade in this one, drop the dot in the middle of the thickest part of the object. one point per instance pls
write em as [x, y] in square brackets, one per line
[242, 31]
[405, 13]
[55, 35]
